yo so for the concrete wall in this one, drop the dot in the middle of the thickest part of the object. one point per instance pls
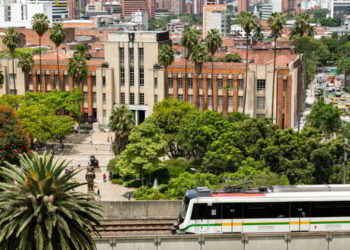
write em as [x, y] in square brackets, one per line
[141, 209]
[276, 241]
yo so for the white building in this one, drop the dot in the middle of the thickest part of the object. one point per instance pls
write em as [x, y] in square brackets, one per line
[141, 19]
[268, 8]
[20, 13]
[216, 17]
[339, 8]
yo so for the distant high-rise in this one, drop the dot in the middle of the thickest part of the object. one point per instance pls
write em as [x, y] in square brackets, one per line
[131, 6]
[242, 5]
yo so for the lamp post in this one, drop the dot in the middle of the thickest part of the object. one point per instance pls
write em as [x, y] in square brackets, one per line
[345, 159]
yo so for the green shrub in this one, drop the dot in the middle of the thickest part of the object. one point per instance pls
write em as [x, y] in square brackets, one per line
[170, 169]
[133, 184]
[146, 193]
[117, 181]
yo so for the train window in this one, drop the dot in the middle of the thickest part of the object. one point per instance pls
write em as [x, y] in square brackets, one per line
[321, 209]
[206, 211]
[277, 210]
[254, 210]
[299, 209]
[341, 208]
[231, 210]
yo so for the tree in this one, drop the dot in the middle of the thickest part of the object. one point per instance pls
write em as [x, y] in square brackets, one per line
[189, 41]
[248, 21]
[199, 55]
[166, 58]
[214, 42]
[11, 41]
[78, 69]
[330, 22]
[302, 26]
[13, 141]
[58, 36]
[121, 122]
[40, 23]
[1, 79]
[26, 63]
[81, 50]
[258, 35]
[276, 22]
[233, 58]
[324, 117]
[40, 208]
[344, 65]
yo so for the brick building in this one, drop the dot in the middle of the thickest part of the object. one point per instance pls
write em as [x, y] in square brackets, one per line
[31, 37]
[224, 90]
[131, 6]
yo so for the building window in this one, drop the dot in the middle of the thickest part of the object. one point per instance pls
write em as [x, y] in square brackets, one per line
[210, 100]
[93, 81]
[155, 82]
[121, 56]
[261, 85]
[155, 98]
[181, 97]
[260, 116]
[132, 98]
[13, 92]
[141, 56]
[229, 84]
[142, 99]
[122, 98]
[210, 84]
[285, 85]
[240, 101]
[241, 84]
[283, 102]
[122, 76]
[104, 98]
[199, 83]
[86, 97]
[142, 77]
[94, 97]
[189, 83]
[180, 83]
[220, 83]
[190, 99]
[221, 101]
[103, 81]
[65, 81]
[57, 80]
[132, 78]
[260, 102]
[230, 101]
[131, 56]
[12, 77]
[170, 83]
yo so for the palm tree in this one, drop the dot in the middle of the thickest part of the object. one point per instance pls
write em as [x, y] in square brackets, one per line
[26, 64]
[276, 23]
[82, 50]
[122, 121]
[41, 210]
[248, 22]
[11, 41]
[189, 41]
[214, 42]
[166, 58]
[78, 69]
[302, 26]
[58, 36]
[199, 56]
[40, 23]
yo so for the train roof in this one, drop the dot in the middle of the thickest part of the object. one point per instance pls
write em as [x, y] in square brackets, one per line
[273, 191]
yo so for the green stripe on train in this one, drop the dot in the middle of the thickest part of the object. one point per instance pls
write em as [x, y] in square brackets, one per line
[263, 223]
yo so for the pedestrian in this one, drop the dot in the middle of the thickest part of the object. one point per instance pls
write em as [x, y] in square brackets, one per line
[98, 192]
[78, 166]
[90, 141]
[104, 177]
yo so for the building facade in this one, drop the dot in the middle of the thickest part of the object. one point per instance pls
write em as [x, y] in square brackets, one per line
[131, 6]
[339, 8]
[138, 81]
[224, 91]
[242, 5]
[216, 17]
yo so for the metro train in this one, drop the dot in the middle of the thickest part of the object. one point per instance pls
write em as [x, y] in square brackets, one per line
[273, 209]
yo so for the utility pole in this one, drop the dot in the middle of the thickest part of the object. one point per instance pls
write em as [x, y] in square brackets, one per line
[345, 159]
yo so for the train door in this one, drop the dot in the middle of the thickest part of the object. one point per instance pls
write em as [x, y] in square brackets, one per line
[209, 218]
[299, 216]
[231, 217]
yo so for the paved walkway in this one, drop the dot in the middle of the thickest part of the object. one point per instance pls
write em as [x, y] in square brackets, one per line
[78, 150]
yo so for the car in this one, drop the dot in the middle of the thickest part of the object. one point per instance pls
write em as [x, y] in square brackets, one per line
[334, 102]
[348, 104]
[343, 98]
[342, 107]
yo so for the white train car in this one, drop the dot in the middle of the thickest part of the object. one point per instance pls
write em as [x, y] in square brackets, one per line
[274, 209]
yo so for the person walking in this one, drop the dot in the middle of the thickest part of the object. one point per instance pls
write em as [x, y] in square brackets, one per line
[104, 177]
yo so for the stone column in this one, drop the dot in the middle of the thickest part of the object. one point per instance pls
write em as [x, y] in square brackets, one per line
[35, 87]
[225, 96]
[62, 86]
[205, 92]
[175, 90]
[90, 105]
[214, 94]
[53, 80]
[194, 91]
[70, 84]
[235, 89]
